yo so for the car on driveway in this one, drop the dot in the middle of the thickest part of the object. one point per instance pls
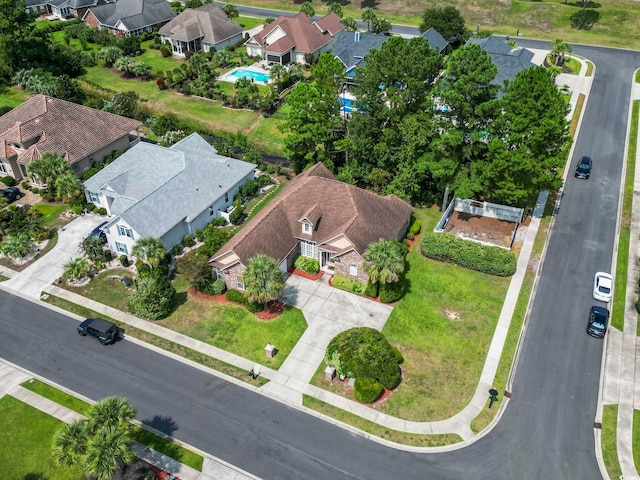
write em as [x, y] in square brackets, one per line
[11, 193]
[598, 321]
[583, 170]
[97, 233]
[105, 331]
[602, 286]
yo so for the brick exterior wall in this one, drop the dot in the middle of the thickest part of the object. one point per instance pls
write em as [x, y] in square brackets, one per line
[91, 20]
[343, 263]
[231, 275]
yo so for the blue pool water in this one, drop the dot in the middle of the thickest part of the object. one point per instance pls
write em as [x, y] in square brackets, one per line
[257, 76]
[346, 104]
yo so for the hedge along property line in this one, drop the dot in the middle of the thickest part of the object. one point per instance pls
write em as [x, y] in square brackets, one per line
[472, 255]
[162, 343]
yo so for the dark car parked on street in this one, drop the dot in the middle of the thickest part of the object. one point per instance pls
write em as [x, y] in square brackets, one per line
[105, 331]
[583, 170]
[11, 193]
[598, 321]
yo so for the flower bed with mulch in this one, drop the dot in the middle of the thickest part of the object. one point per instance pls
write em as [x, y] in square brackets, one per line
[303, 274]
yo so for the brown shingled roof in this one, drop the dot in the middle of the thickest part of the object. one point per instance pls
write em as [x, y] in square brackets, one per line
[72, 130]
[300, 33]
[361, 216]
[330, 23]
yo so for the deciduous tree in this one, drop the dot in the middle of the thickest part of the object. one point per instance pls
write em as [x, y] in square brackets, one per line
[448, 22]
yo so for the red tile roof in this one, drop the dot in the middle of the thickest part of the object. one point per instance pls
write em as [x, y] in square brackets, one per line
[72, 130]
[338, 209]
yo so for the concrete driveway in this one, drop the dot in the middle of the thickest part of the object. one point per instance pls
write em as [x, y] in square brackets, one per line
[45, 270]
[328, 311]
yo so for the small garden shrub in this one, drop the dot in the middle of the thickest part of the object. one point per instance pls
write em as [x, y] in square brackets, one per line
[124, 260]
[371, 290]
[475, 256]
[398, 355]
[142, 268]
[392, 292]
[101, 211]
[164, 51]
[255, 307]
[348, 284]
[77, 208]
[218, 222]
[187, 241]
[200, 235]
[176, 249]
[367, 390]
[8, 181]
[307, 264]
[25, 185]
[108, 256]
[415, 227]
[235, 296]
[217, 287]
[90, 207]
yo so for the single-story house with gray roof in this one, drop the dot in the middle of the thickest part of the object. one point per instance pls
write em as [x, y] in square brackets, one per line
[129, 17]
[351, 48]
[165, 193]
[436, 41]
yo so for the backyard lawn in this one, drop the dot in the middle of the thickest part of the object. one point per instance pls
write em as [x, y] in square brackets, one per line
[26, 436]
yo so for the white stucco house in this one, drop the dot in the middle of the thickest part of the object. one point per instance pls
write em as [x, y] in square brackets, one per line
[165, 193]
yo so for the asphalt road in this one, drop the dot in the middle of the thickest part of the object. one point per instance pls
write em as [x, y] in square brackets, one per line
[545, 433]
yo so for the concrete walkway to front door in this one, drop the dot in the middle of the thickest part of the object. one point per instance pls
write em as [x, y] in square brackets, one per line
[328, 311]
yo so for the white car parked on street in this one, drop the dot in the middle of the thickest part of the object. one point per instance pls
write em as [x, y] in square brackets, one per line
[602, 287]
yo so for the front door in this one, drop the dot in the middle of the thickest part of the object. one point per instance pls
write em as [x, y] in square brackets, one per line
[325, 261]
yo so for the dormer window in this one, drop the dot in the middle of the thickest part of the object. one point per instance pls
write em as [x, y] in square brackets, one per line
[306, 228]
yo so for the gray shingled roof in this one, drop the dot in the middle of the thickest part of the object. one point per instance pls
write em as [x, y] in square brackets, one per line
[154, 188]
[508, 60]
[75, 4]
[208, 22]
[436, 41]
[134, 14]
[351, 47]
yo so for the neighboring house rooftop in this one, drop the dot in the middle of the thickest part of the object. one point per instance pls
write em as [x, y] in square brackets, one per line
[297, 32]
[436, 41]
[76, 4]
[351, 47]
[334, 208]
[134, 14]
[509, 61]
[207, 22]
[154, 188]
[74, 131]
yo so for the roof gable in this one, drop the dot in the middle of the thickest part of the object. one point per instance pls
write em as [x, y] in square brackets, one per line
[436, 41]
[351, 47]
[133, 14]
[208, 22]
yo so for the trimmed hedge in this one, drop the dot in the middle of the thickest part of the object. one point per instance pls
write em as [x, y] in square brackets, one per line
[124, 260]
[238, 297]
[475, 256]
[367, 390]
[348, 284]
[307, 264]
[392, 292]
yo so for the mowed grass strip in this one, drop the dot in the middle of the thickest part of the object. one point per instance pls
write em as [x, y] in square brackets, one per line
[413, 439]
[26, 436]
[56, 395]
[609, 439]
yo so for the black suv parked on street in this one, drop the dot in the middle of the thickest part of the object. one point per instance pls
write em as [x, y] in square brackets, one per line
[105, 331]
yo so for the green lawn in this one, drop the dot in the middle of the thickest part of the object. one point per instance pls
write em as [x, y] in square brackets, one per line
[51, 214]
[111, 292]
[57, 396]
[609, 447]
[26, 435]
[12, 96]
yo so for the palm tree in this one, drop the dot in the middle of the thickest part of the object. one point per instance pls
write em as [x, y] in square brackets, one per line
[384, 261]
[47, 168]
[125, 65]
[110, 412]
[307, 9]
[69, 443]
[350, 23]
[76, 269]
[558, 49]
[369, 15]
[109, 450]
[110, 55]
[16, 246]
[68, 187]
[336, 8]
[263, 280]
[150, 250]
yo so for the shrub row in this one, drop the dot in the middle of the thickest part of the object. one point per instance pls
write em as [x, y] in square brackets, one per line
[238, 297]
[414, 228]
[348, 284]
[475, 256]
[307, 264]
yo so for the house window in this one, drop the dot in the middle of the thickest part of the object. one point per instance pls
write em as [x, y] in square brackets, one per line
[353, 270]
[2, 169]
[308, 249]
[306, 228]
[92, 159]
[217, 273]
[74, 167]
[124, 231]
[239, 283]
[94, 198]
[121, 248]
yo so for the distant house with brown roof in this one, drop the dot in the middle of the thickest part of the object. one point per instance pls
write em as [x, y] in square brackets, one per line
[129, 17]
[319, 217]
[287, 40]
[200, 29]
[82, 135]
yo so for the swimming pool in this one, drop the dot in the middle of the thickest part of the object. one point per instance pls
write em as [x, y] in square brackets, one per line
[346, 104]
[251, 74]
